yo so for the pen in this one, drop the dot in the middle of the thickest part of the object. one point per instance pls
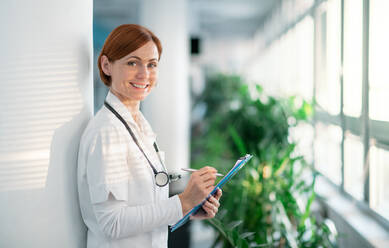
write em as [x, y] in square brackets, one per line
[193, 170]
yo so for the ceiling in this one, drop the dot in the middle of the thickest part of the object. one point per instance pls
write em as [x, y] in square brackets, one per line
[206, 17]
[230, 17]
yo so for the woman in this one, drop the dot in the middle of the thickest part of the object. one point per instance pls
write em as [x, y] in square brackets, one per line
[122, 181]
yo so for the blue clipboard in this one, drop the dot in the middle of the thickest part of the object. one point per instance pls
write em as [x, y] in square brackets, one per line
[238, 165]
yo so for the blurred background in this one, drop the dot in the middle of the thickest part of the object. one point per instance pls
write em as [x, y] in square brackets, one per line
[300, 84]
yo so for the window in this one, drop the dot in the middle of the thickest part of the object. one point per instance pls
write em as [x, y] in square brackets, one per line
[327, 150]
[328, 23]
[342, 136]
[379, 190]
[378, 63]
[328, 132]
[286, 66]
[354, 173]
[378, 101]
[352, 66]
[351, 88]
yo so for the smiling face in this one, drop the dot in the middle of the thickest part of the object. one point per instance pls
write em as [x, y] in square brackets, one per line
[134, 75]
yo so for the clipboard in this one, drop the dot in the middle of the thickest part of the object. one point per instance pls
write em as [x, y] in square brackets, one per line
[238, 165]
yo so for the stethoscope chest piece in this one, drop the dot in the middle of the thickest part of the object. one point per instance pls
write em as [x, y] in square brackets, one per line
[161, 179]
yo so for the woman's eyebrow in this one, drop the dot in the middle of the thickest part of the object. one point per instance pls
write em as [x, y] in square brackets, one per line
[136, 57]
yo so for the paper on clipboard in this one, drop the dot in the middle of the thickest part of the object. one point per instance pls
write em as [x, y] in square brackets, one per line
[238, 165]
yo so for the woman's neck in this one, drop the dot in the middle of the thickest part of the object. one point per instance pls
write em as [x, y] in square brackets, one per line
[131, 105]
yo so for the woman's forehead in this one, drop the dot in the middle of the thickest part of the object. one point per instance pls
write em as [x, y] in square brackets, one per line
[147, 52]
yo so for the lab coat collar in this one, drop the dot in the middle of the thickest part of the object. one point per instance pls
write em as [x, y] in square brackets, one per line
[125, 113]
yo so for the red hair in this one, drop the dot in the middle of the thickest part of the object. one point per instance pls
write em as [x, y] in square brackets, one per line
[123, 40]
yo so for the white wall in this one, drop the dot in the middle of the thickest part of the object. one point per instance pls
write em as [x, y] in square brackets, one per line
[167, 107]
[46, 99]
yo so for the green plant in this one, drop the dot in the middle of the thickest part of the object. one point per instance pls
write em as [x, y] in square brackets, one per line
[269, 203]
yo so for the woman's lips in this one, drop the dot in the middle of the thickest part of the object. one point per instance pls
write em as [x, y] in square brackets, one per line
[140, 86]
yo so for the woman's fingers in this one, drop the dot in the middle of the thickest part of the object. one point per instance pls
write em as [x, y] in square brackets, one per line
[212, 203]
[210, 208]
[210, 212]
[200, 185]
[219, 194]
[207, 170]
[207, 176]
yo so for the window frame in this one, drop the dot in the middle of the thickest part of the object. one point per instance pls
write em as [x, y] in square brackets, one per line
[370, 131]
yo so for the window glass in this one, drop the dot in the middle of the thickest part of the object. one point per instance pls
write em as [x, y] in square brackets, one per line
[286, 67]
[328, 57]
[304, 58]
[379, 187]
[354, 175]
[303, 135]
[352, 64]
[378, 60]
[287, 62]
[297, 60]
[327, 150]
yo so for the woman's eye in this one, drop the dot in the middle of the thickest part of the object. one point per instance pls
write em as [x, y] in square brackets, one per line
[132, 63]
[152, 65]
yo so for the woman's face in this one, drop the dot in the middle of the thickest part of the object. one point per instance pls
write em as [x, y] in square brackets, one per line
[134, 75]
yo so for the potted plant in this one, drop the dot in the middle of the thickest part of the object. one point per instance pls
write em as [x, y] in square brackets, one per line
[268, 204]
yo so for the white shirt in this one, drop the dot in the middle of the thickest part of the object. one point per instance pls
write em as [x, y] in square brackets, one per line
[120, 203]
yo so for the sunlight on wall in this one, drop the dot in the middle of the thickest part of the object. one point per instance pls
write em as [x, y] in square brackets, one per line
[39, 94]
[46, 100]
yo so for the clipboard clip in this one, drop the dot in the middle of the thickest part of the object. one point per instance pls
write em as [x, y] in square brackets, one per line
[174, 177]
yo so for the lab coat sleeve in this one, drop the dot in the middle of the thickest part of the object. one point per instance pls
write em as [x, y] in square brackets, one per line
[107, 176]
[106, 166]
[118, 220]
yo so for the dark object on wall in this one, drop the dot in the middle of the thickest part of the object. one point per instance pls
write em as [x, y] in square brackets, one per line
[195, 45]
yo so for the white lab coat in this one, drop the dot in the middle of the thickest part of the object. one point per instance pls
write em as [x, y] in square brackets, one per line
[119, 200]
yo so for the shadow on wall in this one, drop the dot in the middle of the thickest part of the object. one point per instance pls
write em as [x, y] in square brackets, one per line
[48, 105]
[61, 186]
[62, 175]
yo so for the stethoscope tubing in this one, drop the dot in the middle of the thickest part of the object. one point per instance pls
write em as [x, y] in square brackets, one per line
[157, 174]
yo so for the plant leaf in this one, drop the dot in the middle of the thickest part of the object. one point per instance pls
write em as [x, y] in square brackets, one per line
[237, 140]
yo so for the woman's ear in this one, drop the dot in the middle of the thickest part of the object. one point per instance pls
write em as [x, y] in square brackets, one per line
[105, 65]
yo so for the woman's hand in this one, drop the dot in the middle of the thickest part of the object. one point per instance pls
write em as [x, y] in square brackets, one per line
[210, 207]
[199, 186]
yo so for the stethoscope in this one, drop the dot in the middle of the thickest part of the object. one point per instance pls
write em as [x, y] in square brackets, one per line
[161, 177]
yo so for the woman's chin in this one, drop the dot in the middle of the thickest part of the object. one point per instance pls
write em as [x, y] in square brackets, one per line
[141, 97]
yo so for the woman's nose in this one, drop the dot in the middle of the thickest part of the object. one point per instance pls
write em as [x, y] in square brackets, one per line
[142, 72]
